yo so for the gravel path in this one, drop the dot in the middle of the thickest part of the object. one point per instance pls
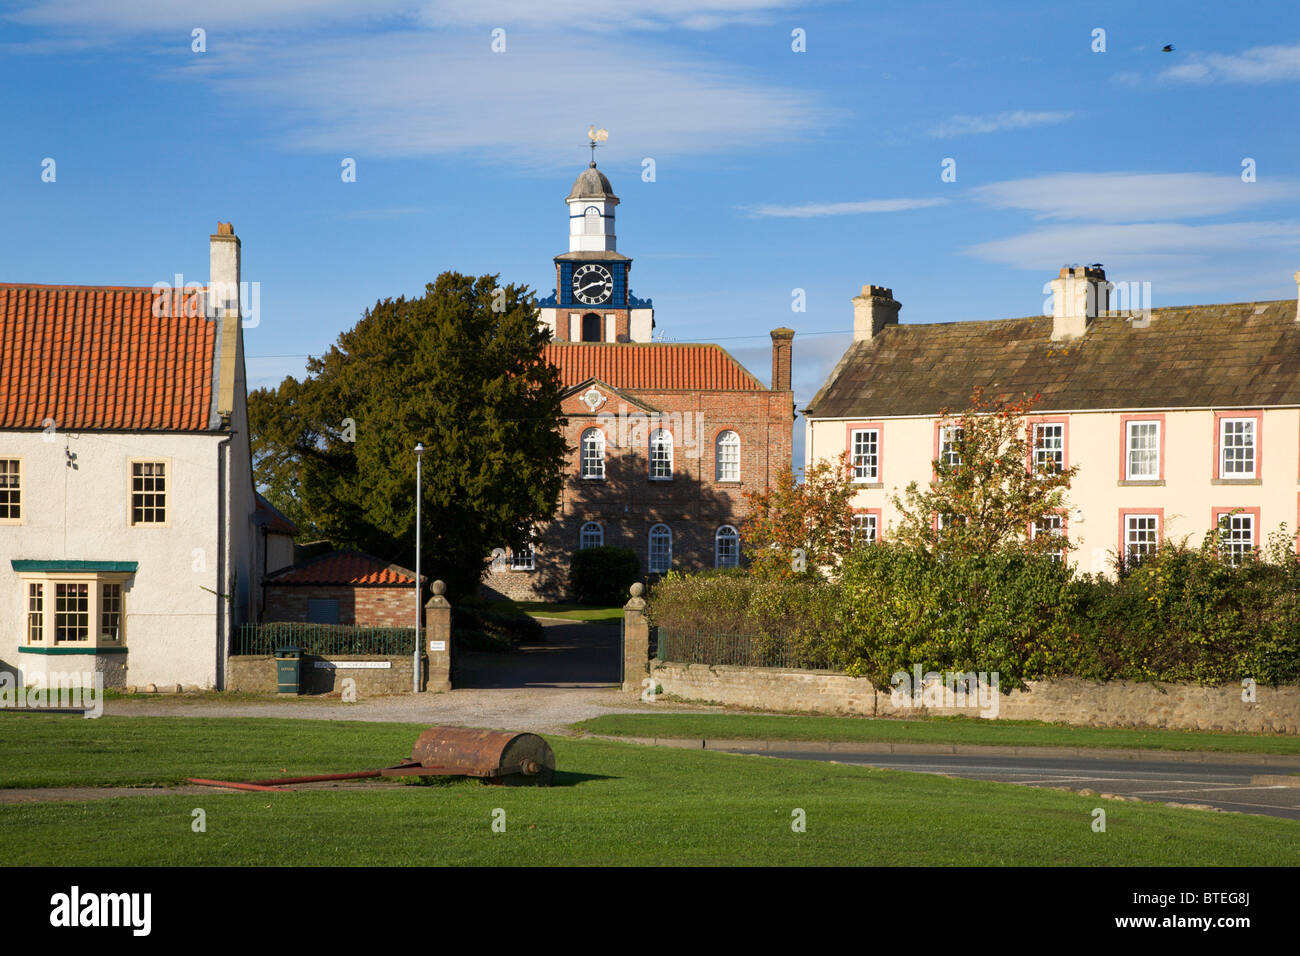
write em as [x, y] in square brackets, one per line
[544, 688]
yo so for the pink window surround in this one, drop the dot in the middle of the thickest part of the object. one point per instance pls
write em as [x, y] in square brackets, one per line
[1258, 415]
[1123, 522]
[1217, 513]
[1064, 422]
[880, 445]
[880, 528]
[1123, 443]
[939, 426]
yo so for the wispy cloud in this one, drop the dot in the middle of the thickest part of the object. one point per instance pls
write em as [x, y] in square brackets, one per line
[816, 209]
[569, 15]
[1261, 64]
[1175, 258]
[420, 94]
[1132, 197]
[995, 122]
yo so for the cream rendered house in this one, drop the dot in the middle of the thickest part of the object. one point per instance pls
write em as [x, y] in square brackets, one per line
[131, 542]
[1176, 418]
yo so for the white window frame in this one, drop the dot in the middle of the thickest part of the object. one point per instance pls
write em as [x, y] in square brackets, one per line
[96, 584]
[1057, 527]
[599, 535]
[1232, 546]
[593, 464]
[659, 567]
[167, 476]
[1129, 449]
[1137, 557]
[727, 456]
[524, 559]
[1253, 423]
[16, 488]
[1044, 453]
[948, 436]
[869, 470]
[867, 523]
[729, 533]
[661, 461]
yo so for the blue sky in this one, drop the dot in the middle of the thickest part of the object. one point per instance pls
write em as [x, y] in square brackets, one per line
[775, 170]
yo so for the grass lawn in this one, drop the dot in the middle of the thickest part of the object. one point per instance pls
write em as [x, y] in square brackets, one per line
[613, 803]
[946, 730]
[569, 612]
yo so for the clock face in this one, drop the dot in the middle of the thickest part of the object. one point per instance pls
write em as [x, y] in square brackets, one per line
[592, 284]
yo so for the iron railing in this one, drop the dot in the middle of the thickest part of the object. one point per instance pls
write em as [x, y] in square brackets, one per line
[744, 650]
[324, 639]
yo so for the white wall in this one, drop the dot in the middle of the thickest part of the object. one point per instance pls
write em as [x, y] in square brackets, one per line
[82, 514]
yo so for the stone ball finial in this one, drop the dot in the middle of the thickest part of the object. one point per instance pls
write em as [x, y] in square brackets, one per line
[636, 589]
[439, 588]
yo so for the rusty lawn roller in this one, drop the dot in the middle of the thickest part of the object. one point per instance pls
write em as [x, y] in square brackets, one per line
[512, 760]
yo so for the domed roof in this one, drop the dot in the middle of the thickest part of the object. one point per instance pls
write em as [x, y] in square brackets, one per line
[592, 184]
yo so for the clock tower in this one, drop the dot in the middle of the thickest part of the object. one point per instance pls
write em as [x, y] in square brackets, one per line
[593, 301]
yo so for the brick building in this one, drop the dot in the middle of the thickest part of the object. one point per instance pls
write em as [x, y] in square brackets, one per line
[342, 587]
[664, 438]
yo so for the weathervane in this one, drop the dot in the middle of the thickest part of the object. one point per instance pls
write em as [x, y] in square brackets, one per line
[597, 136]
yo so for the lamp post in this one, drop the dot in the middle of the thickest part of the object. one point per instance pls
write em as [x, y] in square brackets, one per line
[419, 609]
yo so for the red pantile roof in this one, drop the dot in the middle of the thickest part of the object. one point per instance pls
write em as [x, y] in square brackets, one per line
[97, 357]
[650, 365]
[344, 567]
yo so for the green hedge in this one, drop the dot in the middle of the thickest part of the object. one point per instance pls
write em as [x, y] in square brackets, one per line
[601, 576]
[1183, 615]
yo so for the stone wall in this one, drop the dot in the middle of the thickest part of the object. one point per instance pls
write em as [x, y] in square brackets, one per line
[255, 674]
[1111, 704]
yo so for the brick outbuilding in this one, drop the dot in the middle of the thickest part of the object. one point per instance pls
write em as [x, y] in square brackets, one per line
[342, 587]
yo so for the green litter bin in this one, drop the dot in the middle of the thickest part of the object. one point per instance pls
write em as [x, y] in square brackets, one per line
[288, 670]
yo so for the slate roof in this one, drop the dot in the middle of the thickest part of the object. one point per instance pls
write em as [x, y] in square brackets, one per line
[270, 517]
[344, 568]
[97, 358]
[1242, 355]
[651, 365]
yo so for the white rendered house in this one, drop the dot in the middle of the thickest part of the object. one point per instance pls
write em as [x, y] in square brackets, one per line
[130, 537]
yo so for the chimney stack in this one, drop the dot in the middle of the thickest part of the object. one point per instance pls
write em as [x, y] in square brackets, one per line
[223, 308]
[1079, 295]
[1297, 297]
[872, 311]
[223, 271]
[782, 340]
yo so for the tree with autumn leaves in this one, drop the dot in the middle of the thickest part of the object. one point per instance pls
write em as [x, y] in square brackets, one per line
[988, 491]
[798, 527]
[985, 496]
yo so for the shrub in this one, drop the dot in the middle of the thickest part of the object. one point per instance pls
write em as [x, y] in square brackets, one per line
[1007, 612]
[603, 575]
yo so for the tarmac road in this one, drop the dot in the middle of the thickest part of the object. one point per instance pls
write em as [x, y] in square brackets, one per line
[1226, 785]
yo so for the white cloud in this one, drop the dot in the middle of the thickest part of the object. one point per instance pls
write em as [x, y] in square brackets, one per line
[1261, 64]
[1253, 259]
[434, 93]
[995, 122]
[1133, 197]
[816, 209]
[554, 15]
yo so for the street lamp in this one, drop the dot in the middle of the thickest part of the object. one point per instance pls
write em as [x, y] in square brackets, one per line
[419, 610]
